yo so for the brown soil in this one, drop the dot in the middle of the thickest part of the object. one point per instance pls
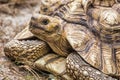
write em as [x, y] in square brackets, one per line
[14, 15]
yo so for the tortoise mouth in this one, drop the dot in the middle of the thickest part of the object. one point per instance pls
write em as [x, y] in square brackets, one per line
[30, 38]
[35, 28]
[33, 25]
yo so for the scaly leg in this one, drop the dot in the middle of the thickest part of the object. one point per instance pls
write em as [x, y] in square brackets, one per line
[80, 70]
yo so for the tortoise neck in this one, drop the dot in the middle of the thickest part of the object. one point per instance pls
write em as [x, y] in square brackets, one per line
[60, 45]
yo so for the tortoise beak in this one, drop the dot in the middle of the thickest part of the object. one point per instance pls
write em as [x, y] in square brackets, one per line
[35, 16]
[33, 22]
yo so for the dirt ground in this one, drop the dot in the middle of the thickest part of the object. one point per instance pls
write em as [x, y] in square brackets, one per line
[14, 16]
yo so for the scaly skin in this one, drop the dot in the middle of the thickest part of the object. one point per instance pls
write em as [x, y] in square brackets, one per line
[24, 51]
[81, 70]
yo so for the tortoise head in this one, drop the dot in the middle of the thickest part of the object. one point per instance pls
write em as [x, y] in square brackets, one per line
[45, 27]
[48, 7]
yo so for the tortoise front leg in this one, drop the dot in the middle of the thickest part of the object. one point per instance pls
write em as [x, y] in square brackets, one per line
[80, 70]
[26, 50]
[35, 54]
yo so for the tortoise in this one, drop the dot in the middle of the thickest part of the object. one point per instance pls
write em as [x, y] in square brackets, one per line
[84, 46]
[28, 51]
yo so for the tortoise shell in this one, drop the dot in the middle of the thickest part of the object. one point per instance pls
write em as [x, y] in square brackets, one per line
[98, 41]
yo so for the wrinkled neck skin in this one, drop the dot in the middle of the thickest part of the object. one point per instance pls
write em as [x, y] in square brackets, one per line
[58, 42]
[60, 46]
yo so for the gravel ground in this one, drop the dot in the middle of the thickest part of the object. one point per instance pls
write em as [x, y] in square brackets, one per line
[12, 20]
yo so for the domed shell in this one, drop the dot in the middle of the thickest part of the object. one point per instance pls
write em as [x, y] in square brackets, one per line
[99, 44]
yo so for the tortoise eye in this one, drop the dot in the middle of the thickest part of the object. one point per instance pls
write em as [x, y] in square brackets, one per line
[45, 9]
[45, 21]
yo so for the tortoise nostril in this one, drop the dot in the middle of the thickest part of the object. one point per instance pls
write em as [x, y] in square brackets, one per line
[33, 18]
[45, 9]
